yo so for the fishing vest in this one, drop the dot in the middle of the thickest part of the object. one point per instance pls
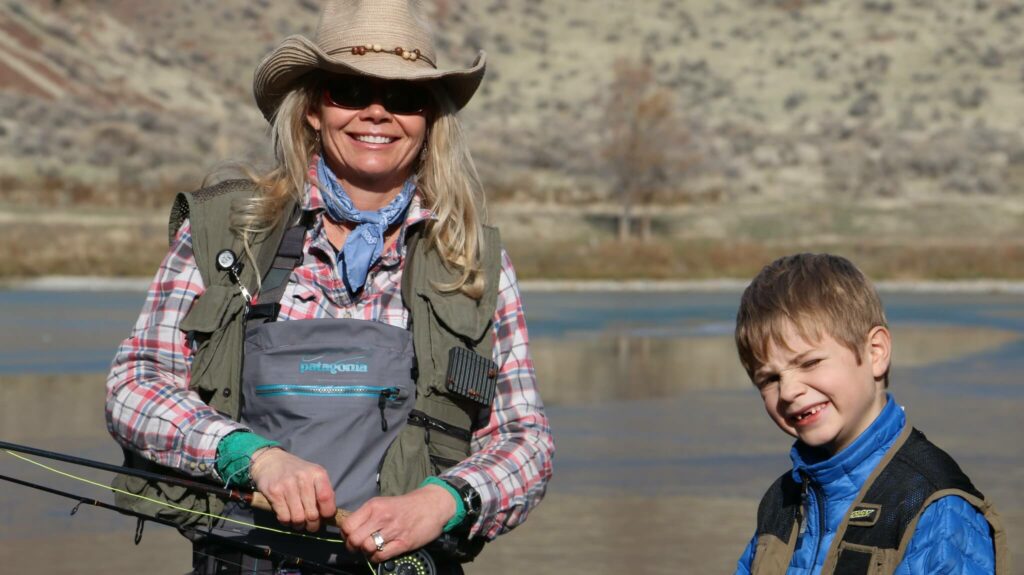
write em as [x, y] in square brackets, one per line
[873, 536]
[443, 324]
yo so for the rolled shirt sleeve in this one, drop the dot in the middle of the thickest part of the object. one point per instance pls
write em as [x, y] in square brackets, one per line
[512, 455]
[149, 407]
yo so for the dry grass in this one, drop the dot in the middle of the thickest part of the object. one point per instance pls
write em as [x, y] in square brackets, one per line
[705, 259]
[570, 243]
[52, 192]
[35, 249]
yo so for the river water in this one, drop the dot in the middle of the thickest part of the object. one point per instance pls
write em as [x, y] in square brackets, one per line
[663, 448]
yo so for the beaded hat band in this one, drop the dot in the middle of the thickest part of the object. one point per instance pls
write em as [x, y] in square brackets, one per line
[413, 54]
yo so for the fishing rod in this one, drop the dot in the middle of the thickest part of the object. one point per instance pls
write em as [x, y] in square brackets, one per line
[419, 561]
[253, 499]
[254, 550]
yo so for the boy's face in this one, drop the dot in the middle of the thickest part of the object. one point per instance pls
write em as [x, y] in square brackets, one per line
[817, 392]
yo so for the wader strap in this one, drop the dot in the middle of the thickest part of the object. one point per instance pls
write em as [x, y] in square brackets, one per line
[412, 237]
[778, 526]
[275, 281]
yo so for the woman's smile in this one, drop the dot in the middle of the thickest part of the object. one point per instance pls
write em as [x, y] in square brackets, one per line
[373, 139]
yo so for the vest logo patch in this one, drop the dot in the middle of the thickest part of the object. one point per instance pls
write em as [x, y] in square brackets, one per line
[346, 365]
[865, 515]
[862, 514]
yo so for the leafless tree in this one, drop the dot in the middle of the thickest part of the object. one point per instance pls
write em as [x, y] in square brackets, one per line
[642, 134]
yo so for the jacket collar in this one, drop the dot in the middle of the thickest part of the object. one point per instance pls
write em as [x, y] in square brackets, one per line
[846, 471]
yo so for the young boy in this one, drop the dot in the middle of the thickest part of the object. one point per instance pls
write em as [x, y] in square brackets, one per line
[868, 493]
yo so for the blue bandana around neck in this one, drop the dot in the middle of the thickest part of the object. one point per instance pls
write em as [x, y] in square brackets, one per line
[364, 244]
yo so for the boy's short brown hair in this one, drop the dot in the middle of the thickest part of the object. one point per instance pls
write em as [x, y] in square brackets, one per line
[817, 293]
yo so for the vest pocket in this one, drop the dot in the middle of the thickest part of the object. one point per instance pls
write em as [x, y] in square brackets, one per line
[405, 464]
[385, 397]
[446, 445]
[440, 464]
[860, 560]
[212, 310]
[165, 492]
[215, 335]
[445, 451]
[333, 391]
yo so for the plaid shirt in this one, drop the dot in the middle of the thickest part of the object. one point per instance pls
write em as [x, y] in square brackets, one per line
[151, 410]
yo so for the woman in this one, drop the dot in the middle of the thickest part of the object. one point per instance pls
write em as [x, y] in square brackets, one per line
[386, 367]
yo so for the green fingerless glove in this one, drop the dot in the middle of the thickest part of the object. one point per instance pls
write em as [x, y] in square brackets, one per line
[234, 456]
[460, 507]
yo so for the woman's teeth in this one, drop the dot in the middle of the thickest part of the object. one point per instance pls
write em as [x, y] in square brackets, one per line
[810, 412]
[375, 139]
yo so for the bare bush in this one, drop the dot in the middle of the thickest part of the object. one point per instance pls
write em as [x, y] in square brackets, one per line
[643, 138]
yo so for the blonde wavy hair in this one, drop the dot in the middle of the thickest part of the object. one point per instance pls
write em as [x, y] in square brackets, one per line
[447, 181]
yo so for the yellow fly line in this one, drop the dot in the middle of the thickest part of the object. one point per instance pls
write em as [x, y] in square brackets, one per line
[179, 508]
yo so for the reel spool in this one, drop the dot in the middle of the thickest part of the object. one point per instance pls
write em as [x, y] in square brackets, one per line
[416, 563]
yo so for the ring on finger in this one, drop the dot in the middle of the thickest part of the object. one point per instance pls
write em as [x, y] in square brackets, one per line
[378, 540]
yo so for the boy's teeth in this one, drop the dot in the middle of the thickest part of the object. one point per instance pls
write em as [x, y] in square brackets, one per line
[375, 139]
[810, 412]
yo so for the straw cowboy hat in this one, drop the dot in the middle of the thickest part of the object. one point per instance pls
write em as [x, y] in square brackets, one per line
[386, 39]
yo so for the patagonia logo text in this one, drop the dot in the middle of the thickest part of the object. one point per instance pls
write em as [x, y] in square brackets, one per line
[346, 365]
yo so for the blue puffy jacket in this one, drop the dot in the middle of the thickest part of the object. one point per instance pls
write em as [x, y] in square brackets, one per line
[951, 537]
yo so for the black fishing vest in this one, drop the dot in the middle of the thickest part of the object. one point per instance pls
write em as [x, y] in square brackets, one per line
[873, 537]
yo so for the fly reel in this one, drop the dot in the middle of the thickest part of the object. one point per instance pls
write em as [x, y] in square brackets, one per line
[416, 563]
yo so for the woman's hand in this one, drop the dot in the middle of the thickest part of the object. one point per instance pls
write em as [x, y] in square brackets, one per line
[299, 491]
[406, 522]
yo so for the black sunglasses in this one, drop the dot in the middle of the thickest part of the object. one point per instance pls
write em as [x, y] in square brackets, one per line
[358, 92]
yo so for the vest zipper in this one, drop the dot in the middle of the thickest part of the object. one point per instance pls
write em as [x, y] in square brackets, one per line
[819, 502]
[800, 509]
[420, 419]
[386, 395]
[326, 390]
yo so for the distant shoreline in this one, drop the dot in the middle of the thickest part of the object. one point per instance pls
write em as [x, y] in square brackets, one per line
[723, 285]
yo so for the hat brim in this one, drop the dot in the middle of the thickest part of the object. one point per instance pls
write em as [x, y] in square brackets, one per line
[297, 56]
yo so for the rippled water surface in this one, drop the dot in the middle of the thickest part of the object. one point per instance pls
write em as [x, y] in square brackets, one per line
[663, 447]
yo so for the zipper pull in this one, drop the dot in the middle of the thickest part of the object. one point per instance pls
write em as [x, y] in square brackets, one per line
[385, 395]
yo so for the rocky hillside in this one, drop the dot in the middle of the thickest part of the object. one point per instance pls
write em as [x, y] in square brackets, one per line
[766, 98]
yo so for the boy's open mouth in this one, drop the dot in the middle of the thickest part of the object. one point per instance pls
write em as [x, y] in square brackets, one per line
[809, 414]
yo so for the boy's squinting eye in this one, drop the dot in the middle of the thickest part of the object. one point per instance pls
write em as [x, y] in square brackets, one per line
[765, 380]
[810, 363]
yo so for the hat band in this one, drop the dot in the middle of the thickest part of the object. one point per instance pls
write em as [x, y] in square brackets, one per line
[411, 55]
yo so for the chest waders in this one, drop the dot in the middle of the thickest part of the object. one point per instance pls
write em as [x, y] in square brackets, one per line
[873, 536]
[427, 428]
